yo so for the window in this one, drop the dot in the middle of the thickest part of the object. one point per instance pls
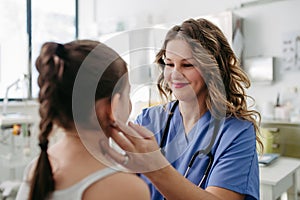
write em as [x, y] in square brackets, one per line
[52, 20]
[25, 26]
[13, 49]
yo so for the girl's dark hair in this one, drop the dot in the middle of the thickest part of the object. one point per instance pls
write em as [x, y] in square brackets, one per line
[225, 79]
[58, 66]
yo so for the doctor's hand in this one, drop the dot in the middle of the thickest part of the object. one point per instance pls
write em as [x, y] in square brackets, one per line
[142, 151]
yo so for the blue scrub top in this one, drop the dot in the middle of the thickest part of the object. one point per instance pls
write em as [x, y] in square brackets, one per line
[235, 161]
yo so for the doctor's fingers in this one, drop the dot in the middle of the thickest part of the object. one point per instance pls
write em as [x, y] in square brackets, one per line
[135, 132]
[142, 131]
[132, 135]
[148, 142]
[123, 141]
[128, 131]
[140, 137]
[132, 144]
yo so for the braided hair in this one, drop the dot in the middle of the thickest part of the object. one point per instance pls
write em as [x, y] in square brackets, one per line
[58, 66]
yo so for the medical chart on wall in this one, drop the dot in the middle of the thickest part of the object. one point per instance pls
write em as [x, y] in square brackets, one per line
[291, 51]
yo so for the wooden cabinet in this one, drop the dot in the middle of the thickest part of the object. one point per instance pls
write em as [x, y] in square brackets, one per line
[284, 137]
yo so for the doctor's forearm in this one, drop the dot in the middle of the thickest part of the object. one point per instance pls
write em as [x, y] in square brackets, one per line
[174, 186]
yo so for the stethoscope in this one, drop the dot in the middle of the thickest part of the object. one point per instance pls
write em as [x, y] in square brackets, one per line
[206, 151]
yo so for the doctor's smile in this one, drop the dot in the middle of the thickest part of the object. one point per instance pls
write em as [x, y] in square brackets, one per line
[178, 85]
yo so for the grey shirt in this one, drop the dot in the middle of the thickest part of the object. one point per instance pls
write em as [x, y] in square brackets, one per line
[73, 192]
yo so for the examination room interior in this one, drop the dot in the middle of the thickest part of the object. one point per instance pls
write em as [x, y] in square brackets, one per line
[265, 35]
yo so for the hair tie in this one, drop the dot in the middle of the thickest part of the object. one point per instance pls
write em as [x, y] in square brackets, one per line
[60, 50]
[177, 28]
[44, 145]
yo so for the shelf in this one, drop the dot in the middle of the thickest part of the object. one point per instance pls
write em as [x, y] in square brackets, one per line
[7, 120]
[280, 122]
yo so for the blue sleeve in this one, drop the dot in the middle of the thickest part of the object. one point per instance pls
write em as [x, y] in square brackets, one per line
[236, 162]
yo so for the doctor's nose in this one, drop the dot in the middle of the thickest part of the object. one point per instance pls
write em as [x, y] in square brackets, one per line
[176, 73]
[177, 68]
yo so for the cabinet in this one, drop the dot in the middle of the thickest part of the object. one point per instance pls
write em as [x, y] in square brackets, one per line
[283, 137]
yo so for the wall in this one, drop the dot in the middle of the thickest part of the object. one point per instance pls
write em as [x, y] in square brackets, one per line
[264, 27]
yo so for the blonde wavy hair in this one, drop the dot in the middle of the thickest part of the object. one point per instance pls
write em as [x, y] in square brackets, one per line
[220, 68]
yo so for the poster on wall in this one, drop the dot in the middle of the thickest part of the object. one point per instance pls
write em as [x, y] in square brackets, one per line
[291, 51]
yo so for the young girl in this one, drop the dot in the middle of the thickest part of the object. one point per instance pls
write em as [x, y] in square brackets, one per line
[83, 88]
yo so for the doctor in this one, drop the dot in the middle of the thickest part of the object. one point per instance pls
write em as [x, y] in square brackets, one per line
[202, 145]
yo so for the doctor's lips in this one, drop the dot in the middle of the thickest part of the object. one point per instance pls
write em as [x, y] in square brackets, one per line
[179, 84]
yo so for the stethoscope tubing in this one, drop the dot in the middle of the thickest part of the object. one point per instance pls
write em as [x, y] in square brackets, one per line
[206, 151]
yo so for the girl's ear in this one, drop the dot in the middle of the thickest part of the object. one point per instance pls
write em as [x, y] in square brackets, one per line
[115, 107]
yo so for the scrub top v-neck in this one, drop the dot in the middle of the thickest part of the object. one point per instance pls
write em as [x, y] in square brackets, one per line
[235, 164]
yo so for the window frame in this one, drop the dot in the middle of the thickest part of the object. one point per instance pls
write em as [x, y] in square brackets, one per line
[30, 62]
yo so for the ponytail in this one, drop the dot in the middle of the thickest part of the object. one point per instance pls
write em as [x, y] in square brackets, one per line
[58, 66]
[42, 182]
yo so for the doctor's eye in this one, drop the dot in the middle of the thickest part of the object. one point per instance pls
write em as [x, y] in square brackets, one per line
[187, 65]
[169, 64]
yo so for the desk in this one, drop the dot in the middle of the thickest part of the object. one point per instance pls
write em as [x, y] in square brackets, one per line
[279, 177]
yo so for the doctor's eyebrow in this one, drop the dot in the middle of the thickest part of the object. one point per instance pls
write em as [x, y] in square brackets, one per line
[185, 59]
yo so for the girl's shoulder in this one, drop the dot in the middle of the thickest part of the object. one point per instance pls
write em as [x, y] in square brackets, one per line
[127, 186]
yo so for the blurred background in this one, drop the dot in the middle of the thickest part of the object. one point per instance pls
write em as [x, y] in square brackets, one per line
[265, 35]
